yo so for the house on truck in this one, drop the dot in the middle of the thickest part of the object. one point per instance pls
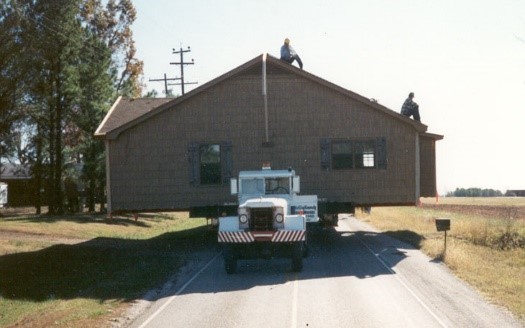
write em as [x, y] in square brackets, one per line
[179, 154]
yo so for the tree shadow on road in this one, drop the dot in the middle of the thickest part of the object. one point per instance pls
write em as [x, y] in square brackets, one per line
[332, 254]
[407, 236]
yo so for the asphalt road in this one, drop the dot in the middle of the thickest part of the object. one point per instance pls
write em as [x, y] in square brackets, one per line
[353, 277]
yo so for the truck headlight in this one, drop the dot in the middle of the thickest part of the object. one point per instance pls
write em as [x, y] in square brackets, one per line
[243, 218]
[279, 218]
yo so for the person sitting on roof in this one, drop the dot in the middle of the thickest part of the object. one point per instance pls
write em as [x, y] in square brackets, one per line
[410, 108]
[288, 54]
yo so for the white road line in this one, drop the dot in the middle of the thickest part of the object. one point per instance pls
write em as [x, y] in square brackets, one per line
[420, 301]
[294, 301]
[145, 323]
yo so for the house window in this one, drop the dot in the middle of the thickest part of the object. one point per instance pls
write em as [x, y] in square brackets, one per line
[340, 154]
[351, 154]
[210, 164]
[368, 159]
[364, 153]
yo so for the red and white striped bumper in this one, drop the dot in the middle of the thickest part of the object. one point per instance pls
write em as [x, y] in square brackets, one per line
[235, 237]
[289, 235]
[280, 236]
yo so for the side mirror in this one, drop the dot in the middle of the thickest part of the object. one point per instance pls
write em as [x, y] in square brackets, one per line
[296, 185]
[233, 186]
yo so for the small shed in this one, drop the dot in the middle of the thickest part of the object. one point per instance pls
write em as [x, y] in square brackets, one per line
[20, 184]
[179, 154]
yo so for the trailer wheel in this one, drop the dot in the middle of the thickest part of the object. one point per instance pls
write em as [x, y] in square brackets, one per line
[297, 257]
[306, 249]
[230, 259]
[335, 220]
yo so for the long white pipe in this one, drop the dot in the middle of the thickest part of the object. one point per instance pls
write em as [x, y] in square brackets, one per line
[418, 169]
[265, 97]
[109, 206]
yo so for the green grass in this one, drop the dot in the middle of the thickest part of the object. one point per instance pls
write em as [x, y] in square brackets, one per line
[91, 226]
[485, 248]
[83, 283]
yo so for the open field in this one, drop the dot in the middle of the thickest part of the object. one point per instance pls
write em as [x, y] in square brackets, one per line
[485, 246]
[82, 271]
[494, 207]
[481, 201]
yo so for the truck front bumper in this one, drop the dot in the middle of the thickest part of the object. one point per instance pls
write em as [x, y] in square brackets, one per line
[280, 236]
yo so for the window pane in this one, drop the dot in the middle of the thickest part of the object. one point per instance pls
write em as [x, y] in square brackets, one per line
[365, 154]
[277, 186]
[368, 160]
[342, 147]
[343, 161]
[252, 186]
[210, 164]
[342, 156]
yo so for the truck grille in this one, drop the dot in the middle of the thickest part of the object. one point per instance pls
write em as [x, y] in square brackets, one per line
[262, 219]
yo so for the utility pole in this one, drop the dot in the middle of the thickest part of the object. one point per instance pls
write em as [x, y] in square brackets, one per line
[165, 80]
[182, 63]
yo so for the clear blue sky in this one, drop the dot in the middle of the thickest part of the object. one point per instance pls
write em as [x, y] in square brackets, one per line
[464, 60]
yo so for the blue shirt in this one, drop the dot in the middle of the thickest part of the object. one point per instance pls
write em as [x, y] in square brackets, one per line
[287, 52]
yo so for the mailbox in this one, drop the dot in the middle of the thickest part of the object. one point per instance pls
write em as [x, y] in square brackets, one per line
[443, 224]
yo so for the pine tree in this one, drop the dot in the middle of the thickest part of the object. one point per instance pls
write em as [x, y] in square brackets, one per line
[96, 86]
[63, 64]
[112, 25]
[54, 38]
[9, 77]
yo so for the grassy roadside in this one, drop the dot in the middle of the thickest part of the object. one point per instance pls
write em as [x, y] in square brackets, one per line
[485, 246]
[82, 270]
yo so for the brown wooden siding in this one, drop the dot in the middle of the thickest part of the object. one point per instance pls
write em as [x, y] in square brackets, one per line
[428, 167]
[150, 167]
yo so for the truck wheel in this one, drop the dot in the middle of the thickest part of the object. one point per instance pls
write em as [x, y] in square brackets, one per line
[335, 220]
[230, 259]
[306, 249]
[297, 257]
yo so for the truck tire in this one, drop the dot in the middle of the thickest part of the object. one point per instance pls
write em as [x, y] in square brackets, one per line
[230, 259]
[335, 220]
[297, 256]
[306, 249]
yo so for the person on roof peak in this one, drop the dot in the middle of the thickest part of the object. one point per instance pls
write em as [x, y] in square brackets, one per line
[410, 108]
[288, 54]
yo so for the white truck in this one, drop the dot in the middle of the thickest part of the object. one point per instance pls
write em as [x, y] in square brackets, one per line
[271, 218]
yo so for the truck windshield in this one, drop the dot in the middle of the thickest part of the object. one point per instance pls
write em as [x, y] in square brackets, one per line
[277, 186]
[252, 186]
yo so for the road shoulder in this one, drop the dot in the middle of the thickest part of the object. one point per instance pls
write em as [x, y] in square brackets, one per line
[455, 302]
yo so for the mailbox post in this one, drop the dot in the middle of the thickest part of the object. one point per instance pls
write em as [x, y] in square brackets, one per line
[443, 225]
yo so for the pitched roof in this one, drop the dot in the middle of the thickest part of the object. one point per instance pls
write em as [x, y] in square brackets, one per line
[9, 171]
[125, 110]
[126, 113]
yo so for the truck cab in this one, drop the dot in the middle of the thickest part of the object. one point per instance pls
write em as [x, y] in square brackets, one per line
[271, 215]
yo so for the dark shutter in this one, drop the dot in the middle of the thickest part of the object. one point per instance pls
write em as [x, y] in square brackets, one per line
[194, 163]
[326, 154]
[381, 153]
[227, 161]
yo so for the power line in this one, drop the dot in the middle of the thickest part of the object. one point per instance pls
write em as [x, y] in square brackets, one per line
[182, 63]
[165, 80]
